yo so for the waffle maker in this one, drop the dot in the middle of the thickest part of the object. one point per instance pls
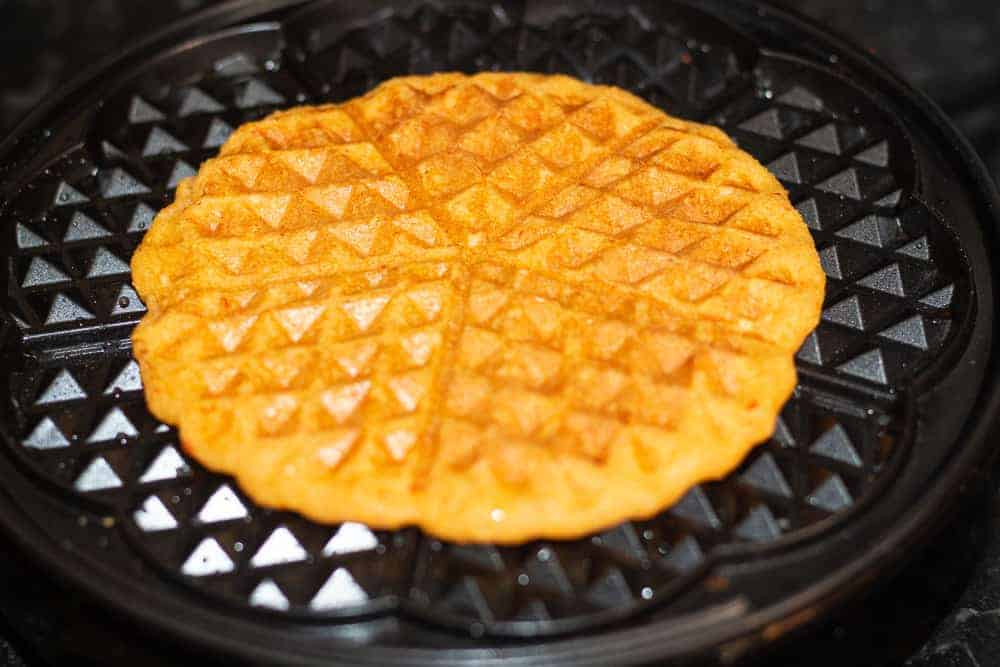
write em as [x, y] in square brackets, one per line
[897, 384]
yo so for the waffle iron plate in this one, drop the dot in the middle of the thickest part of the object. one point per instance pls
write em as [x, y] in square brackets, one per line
[897, 384]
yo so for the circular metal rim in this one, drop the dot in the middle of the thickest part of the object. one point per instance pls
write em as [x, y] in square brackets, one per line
[818, 599]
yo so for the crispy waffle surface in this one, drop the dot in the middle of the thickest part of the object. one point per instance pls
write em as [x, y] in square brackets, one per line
[500, 307]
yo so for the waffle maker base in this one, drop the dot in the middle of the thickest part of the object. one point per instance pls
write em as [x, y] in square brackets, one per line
[896, 393]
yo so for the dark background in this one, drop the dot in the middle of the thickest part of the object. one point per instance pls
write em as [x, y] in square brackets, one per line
[944, 607]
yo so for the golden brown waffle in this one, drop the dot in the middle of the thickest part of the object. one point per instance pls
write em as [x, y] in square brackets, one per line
[500, 306]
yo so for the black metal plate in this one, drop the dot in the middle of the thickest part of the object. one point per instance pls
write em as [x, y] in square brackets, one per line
[909, 306]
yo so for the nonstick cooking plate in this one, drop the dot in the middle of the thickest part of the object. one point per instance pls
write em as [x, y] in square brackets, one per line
[889, 417]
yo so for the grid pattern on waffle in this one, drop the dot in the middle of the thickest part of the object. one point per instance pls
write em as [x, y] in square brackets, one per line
[82, 422]
[475, 160]
[597, 189]
[309, 362]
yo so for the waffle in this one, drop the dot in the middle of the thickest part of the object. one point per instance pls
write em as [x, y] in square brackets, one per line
[500, 307]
